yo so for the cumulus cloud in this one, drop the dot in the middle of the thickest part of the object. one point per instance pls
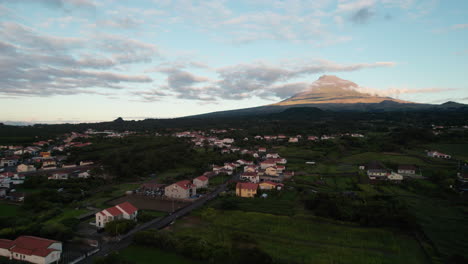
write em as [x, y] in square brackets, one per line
[57, 3]
[264, 80]
[35, 64]
[362, 16]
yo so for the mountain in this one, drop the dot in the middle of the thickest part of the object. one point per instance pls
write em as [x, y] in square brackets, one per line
[329, 89]
[331, 93]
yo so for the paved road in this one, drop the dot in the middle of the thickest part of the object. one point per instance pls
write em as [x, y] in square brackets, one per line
[157, 223]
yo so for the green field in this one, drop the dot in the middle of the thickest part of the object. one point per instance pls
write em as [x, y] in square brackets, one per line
[99, 199]
[142, 255]
[279, 203]
[307, 239]
[396, 158]
[66, 214]
[442, 221]
[7, 210]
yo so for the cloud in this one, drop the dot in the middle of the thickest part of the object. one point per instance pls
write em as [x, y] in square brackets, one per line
[260, 79]
[397, 91]
[35, 64]
[459, 26]
[57, 3]
[362, 16]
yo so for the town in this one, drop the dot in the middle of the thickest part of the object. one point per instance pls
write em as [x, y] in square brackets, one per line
[266, 173]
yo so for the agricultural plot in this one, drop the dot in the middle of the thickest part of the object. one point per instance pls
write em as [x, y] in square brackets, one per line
[142, 255]
[7, 210]
[307, 239]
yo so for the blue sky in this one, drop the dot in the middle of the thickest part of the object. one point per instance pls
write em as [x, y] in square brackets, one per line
[89, 60]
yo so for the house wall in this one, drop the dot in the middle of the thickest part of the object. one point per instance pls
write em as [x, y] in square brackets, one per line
[266, 186]
[266, 165]
[4, 252]
[245, 192]
[200, 184]
[177, 192]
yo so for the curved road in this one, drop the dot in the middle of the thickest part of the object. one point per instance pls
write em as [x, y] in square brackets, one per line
[159, 223]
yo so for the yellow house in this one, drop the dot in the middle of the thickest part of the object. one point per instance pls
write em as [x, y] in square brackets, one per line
[246, 189]
[268, 185]
[271, 171]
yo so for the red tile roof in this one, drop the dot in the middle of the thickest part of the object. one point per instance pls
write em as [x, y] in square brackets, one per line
[5, 243]
[247, 185]
[202, 178]
[127, 207]
[30, 245]
[249, 174]
[114, 211]
[185, 184]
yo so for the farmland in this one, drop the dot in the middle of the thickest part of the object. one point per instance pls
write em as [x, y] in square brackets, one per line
[307, 239]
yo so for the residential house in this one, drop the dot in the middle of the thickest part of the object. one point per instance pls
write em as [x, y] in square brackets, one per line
[200, 182]
[293, 140]
[250, 168]
[269, 185]
[407, 170]
[31, 249]
[58, 176]
[25, 168]
[267, 163]
[394, 176]
[436, 154]
[250, 176]
[271, 171]
[263, 150]
[84, 175]
[279, 160]
[180, 190]
[376, 171]
[9, 161]
[49, 164]
[272, 155]
[124, 210]
[246, 189]
[312, 138]
[86, 163]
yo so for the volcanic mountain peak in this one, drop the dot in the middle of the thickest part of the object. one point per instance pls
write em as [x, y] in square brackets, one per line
[330, 89]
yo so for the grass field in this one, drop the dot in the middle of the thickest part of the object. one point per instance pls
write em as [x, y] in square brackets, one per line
[142, 255]
[442, 221]
[98, 200]
[66, 214]
[7, 210]
[282, 203]
[396, 158]
[307, 239]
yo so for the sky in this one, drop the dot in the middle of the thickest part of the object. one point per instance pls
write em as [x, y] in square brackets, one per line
[96, 60]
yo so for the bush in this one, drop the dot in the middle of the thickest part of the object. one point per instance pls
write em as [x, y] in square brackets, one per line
[119, 227]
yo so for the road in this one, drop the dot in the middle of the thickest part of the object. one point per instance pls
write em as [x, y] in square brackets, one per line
[159, 223]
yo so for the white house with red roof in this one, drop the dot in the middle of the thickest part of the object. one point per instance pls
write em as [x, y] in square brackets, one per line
[121, 211]
[267, 163]
[31, 249]
[181, 190]
[201, 182]
[250, 176]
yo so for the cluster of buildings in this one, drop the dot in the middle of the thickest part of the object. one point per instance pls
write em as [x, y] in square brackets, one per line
[297, 138]
[439, 155]
[179, 190]
[376, 171]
